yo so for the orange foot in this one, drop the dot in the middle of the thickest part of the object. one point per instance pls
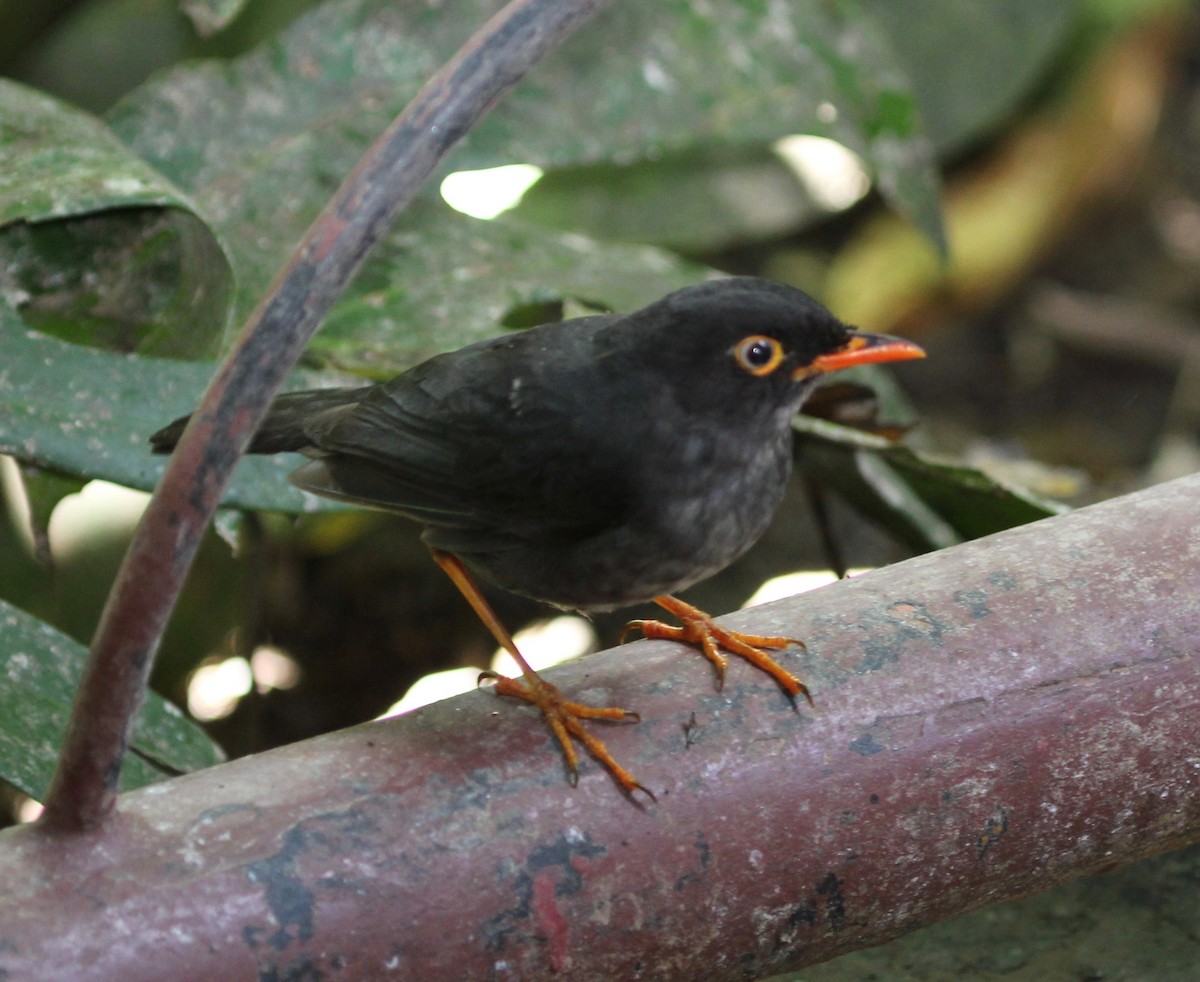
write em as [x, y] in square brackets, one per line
[563, 717]
[562, 714]
[699, 629]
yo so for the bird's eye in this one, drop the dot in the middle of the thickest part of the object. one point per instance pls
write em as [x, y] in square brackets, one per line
[759, 355]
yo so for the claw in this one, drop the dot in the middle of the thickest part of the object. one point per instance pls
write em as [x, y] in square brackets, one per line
[562, 715]
[698, 629]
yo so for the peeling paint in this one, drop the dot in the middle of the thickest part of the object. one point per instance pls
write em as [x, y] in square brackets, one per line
[550, 919]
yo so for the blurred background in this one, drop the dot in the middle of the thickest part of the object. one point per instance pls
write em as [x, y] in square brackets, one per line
[1062, 327]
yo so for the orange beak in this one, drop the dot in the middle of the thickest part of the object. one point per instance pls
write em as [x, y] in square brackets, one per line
[863, 349]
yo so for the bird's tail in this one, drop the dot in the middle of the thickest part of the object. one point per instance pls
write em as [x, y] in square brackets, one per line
[286, 425]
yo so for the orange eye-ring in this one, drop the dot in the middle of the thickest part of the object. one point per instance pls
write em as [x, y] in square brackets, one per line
[758, 354]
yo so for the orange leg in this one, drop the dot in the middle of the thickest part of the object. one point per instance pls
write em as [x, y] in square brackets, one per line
[699, 629]
[563, 715]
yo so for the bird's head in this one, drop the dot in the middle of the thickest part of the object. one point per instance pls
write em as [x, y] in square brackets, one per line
[751, 342]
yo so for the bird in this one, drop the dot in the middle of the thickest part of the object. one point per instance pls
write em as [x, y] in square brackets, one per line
[591, 464]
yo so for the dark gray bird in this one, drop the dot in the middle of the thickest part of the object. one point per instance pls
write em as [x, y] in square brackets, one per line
[590, 464]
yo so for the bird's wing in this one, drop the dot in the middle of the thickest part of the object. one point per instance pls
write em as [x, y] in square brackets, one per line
[477, 443]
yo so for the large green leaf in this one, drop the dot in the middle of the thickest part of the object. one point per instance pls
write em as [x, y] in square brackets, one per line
[699, 201]
[95, 245]
[39, 672]
[968, 64]
[423, 300]
[87, 412]
[60, 162]
[262, 142]
[927, 501]
[971, 64]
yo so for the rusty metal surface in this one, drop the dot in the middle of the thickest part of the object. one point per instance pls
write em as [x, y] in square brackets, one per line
[989, 720]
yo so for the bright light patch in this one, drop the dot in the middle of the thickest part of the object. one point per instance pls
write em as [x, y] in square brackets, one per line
[214, 690]
[12, 491]
[546, 643]
[543, 644]
[273, 669]
[792, 583]
[97, 510]
[28, 810]
[434, 688]
[488, 193]
[833, 175]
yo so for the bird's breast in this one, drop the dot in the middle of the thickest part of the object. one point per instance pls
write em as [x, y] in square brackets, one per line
[698, 505]
[714, 505]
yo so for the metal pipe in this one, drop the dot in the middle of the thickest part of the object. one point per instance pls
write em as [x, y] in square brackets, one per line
[990, 720]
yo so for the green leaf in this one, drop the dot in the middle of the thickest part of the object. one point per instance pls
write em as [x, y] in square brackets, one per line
[39, 672]
[88, 412]
[262, 142]
[408, 305]
[697, 201]
[95, 246]
[927, 502]
[715, 196]
[970, 65]
[710, 198]
[149, 280]
[60, 162]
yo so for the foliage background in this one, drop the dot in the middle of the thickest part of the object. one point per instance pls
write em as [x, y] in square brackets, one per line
[157, 161]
